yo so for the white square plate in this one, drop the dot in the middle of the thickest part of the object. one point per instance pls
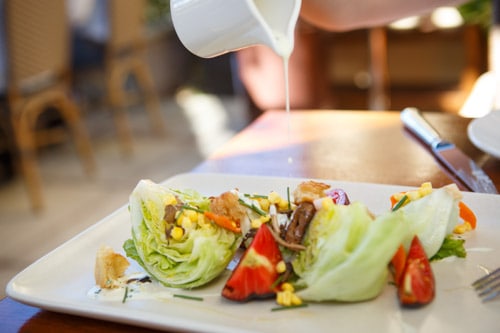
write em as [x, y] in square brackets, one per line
[61, 280]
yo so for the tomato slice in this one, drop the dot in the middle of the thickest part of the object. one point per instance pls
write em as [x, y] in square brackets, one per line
[255, 275]
[417, 285]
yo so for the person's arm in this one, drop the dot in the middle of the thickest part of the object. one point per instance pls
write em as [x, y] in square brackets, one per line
[341, 15]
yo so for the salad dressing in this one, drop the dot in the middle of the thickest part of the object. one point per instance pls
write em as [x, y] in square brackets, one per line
[138, 286]
[284, 48]
[287, 108]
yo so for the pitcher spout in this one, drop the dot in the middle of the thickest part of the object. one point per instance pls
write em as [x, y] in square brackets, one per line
[279, 18]
[209, 28]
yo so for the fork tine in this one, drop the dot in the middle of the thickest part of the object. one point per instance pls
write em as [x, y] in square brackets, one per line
[479, 283]
[488, 287]
[491, 295]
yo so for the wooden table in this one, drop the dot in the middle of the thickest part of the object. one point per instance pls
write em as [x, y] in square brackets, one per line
[363, 146]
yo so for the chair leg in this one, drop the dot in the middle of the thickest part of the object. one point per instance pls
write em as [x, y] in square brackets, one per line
[153, 107]
[71, 116]
[24, 142]
[116, 100]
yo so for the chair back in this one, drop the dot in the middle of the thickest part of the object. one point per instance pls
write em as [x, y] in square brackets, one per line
[127, 19]
[38, 42]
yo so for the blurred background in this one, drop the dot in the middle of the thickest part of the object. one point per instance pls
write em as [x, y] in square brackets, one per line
[98, 94]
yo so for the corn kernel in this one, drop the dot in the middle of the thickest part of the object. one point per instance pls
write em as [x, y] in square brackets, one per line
[176, 233]
[256, 223]
[283, 204]
[279, 298]
[192, 215]
[288, 298]
[284, 298]
[274, 198]
[296, 300]
[281, 267]
[462, 228]
[264, 204]
[287, 287]
[426, 188]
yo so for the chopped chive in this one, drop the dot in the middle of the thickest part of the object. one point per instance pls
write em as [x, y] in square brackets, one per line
[303, 305]
[187, 207]
[252, 207]
[255, 196]
[400, 203]
[125, 295]
[194, 298]
[277, 282]
[288, 197]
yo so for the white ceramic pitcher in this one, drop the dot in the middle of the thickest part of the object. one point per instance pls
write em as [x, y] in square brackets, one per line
[209, 28]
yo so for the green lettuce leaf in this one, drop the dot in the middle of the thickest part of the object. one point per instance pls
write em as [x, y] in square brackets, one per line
[450, 247]
[199, 257]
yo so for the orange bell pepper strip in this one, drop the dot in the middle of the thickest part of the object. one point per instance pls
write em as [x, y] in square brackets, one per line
[398, 264]
[467, 214]
[394, 199]
[223, 221]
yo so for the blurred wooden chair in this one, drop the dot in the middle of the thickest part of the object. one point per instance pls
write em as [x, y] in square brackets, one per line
[125, 57]
[38, 46]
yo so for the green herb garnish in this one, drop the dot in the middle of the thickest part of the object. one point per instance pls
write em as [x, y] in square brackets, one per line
[193, 298]
[400, 203]
[255, 196]
[277, 282]
[252, 207]
[196, 209]
[125, 295]
[288, 198]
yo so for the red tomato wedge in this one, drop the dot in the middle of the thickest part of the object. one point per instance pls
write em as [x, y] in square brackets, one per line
[255, 275]
[417, 285]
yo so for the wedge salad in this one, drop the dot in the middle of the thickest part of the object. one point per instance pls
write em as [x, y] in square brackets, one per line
[311, 244]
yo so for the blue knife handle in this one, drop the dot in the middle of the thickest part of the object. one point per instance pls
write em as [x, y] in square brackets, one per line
[413, 120]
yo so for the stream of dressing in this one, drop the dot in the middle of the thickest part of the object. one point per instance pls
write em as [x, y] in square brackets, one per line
[284, 48]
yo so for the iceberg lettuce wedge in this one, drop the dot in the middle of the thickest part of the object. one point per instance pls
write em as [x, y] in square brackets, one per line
[199, 257]
[347, 253]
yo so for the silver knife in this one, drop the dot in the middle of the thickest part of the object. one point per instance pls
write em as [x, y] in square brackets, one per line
[447, 153]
